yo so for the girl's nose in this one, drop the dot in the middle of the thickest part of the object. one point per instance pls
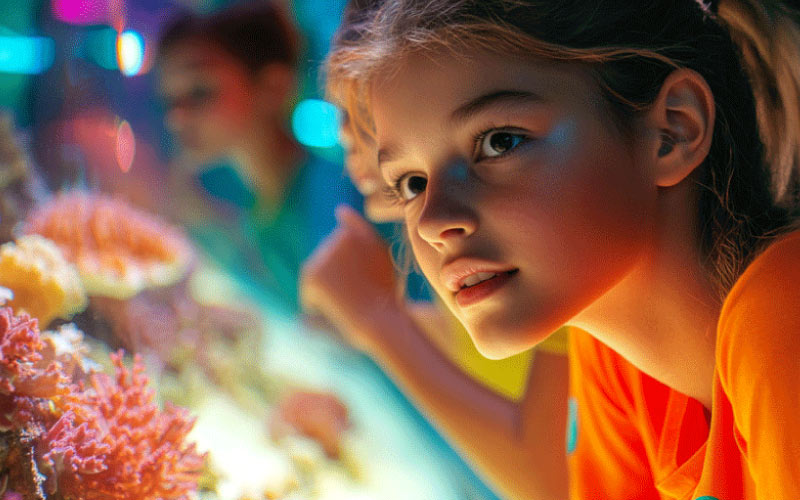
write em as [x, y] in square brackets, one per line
[448, 215]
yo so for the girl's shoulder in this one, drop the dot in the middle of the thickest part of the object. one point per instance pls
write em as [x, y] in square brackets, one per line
[771, 279]
[758, 333]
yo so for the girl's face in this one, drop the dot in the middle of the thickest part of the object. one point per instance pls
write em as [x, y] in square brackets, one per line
[522, 201]
[210, 99]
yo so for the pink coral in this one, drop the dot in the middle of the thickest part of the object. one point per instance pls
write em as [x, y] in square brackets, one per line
[25, 386]
[106, 441]
[114, 443]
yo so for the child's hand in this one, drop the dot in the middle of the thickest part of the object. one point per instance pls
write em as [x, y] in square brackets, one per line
[350, 279]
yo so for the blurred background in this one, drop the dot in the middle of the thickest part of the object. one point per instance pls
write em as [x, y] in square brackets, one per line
[79, 77]
[84, 110]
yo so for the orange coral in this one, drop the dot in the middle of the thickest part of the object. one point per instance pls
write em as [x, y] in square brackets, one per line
[118, 249]
[43, 283]
[114, 443]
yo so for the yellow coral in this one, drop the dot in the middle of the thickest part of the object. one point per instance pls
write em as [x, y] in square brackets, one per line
[44, 284]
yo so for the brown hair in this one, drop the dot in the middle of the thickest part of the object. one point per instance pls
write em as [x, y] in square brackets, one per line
[256, 34]
[747, 50]
[341, 89]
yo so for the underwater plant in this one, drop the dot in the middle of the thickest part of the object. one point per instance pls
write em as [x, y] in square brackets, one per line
[119, 250]
[43, 283]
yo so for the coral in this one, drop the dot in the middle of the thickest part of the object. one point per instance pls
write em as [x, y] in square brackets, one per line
[167, 319]
[118, 249]
[104, 439]
[181, 335]
[66, 346]
[113, 442]
[25, 387]
[43, 283]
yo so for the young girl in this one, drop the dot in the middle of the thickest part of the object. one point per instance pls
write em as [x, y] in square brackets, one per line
[629, 168]
[473, 400]
[325, 271]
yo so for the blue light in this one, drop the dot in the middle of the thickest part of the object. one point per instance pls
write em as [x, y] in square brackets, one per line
[130, 52]
[26, 55]
[101, 47]
[315, 123]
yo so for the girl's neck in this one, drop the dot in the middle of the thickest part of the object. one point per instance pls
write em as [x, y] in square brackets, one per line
[662, 317]
[269, 160]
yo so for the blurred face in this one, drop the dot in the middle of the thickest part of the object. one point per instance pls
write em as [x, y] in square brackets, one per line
[522, 202]
[362, 165]
[209, 98]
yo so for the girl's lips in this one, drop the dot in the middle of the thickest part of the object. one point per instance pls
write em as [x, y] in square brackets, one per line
[473, 294]
[457, 273]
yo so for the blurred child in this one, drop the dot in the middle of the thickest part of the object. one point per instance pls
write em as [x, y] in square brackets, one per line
[254, 200]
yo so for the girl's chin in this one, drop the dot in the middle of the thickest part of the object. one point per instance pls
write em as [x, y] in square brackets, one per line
[498, 345]
[496, 340]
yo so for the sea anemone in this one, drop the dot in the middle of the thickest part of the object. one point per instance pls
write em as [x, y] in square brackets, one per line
[43, 283]
[119, 250]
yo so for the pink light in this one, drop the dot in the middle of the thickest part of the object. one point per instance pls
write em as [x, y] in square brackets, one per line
[126, 146]
[81, 11]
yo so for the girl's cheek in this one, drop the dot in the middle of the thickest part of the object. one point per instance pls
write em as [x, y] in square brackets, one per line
[562, 137]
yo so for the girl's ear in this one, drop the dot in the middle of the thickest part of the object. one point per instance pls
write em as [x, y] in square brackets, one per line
[680, 125]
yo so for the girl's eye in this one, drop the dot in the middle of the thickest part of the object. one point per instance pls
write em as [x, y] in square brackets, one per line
[411, 185]
[498, 143]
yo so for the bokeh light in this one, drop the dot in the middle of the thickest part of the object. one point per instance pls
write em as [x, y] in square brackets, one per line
[315, 123]
[26, 55]
[130, 52]
[81, 12]
[100, 47]
[125, 146]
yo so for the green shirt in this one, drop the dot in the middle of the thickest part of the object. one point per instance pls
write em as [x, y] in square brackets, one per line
[264, 248]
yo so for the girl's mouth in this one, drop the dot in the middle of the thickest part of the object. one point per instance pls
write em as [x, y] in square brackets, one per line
[481, 285]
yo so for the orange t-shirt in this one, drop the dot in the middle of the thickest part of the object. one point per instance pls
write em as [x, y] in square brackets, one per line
[631, 437]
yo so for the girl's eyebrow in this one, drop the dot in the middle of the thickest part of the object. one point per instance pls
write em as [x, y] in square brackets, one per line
[473, 107]
[386, 155]
[506, 97]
